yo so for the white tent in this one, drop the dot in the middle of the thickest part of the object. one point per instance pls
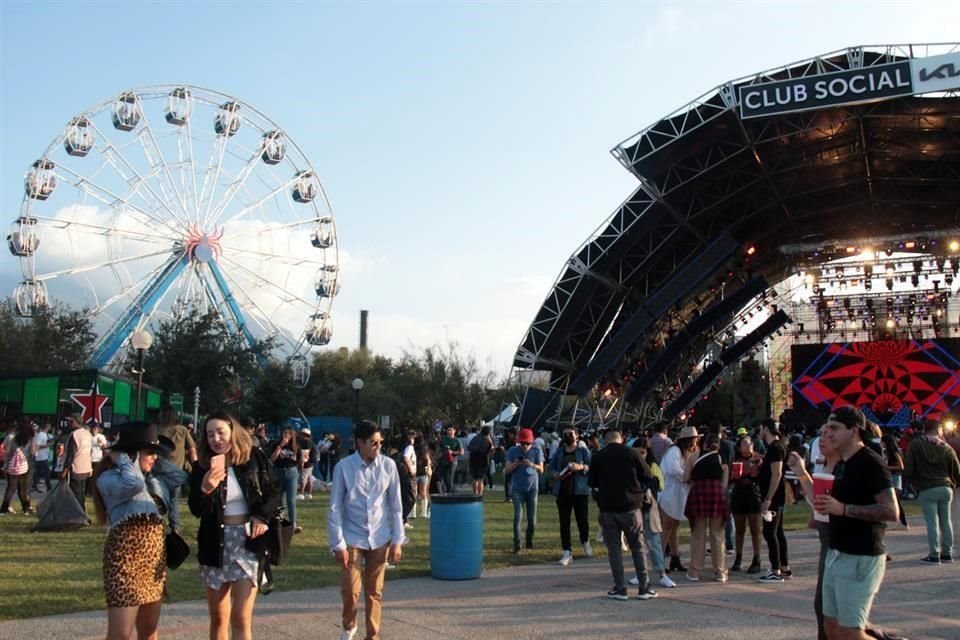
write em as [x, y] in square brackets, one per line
[506, 415]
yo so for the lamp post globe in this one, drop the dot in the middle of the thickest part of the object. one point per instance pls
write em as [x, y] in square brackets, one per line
[357, 385]
[141, 340]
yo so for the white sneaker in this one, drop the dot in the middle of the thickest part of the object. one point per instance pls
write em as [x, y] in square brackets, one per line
[565, 559]
[348, 634]
[407, 525]
[665, 581]
[427, 515]
[299, 496]
[587, 550]
[634, 581]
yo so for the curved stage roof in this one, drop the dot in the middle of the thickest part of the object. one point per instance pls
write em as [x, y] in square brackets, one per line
[858, 144]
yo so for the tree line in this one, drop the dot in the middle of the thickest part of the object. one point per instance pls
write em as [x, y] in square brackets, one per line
[437, 382]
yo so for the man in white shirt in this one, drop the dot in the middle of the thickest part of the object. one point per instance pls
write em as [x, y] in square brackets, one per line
[408, 478]
[365, 526]
[41, 469]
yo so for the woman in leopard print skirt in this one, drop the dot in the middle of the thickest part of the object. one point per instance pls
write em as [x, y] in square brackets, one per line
[134, 562]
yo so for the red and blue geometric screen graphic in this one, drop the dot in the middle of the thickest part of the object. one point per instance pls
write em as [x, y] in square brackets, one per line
[892, 381]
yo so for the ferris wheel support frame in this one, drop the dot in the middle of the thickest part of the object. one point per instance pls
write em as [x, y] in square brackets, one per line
[107, 347]
[234, 308]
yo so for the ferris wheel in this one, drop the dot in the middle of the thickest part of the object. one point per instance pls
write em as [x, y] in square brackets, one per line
[166, 200]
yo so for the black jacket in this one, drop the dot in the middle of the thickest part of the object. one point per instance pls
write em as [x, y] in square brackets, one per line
[257, 485]
[617, 474]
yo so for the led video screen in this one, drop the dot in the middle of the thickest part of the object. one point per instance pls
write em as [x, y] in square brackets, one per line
[892, 381]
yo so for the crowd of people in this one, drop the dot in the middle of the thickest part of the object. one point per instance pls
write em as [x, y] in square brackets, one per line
[724, 483]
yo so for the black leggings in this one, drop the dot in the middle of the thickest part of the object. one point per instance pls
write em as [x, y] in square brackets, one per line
[17, 485]
[776, 541]
[579, 506]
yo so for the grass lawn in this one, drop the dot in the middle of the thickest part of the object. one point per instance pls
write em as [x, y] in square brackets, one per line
[50, 573]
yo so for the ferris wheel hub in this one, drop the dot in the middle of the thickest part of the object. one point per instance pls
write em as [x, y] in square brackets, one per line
[203, 246]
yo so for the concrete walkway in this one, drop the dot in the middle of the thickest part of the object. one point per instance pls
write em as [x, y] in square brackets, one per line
[548, 601]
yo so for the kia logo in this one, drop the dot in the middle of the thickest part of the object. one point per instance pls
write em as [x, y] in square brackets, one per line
[942, 72]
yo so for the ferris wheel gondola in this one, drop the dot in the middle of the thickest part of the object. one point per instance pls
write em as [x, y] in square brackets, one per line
[168, 199]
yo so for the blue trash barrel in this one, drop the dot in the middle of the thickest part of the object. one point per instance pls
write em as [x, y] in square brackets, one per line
[456, 537]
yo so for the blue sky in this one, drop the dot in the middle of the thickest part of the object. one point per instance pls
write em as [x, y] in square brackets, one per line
[464, 146]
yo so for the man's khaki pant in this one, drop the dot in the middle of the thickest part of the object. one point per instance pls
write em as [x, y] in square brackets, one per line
[368, 565]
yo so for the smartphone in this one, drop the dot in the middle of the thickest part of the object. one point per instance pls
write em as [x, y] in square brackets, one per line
[217, 462]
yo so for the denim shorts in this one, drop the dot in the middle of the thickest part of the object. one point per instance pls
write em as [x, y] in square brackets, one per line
[849, 585]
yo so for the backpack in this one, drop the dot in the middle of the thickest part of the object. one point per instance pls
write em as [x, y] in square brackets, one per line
[479, 444]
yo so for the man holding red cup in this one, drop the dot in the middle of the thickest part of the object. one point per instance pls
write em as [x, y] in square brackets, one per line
[858, 504]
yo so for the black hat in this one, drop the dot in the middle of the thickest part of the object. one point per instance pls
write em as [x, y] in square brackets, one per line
[167, 447]
[137, 436]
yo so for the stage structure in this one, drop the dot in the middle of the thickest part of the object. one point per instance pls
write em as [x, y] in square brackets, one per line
[844, 168]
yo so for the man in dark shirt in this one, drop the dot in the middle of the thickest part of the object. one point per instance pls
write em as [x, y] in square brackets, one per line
[616, 473]
[770, 480]
[861, 501]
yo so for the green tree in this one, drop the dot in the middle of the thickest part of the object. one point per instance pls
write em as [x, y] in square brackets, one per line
[55, 338]
[198, 350]
[274, 397]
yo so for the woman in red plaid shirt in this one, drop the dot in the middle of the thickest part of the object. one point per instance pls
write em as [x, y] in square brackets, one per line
[707, 508]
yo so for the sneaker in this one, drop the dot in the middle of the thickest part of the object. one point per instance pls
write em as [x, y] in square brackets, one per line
[720, 577]
[667, 583]
[348, 634]
[649, 594]
[617, 594]
[770, 576]
[754, 566]
[587, 550]
[407, 525]
[946, 557]
[786, 574]
[299, 496]
[692, 578]
[565, 559]
[387, 566]
[297, 528]
[516, 550]
[737, 566]
[427, 515]
[931, 559]
[634, 581]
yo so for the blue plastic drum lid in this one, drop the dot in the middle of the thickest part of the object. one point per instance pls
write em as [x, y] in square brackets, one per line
[456, 537]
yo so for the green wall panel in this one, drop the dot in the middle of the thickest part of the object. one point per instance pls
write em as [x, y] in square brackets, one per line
[40, 395]
[153, 400]
[11, 391]
[121, 399]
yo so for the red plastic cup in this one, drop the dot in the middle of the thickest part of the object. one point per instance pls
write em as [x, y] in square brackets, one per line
[822, 486]
[736, 470]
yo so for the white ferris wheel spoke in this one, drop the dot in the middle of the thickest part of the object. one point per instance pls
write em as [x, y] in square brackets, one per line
[260, 314]
[161, 163]
[276, 227]
[222, 147]
[101, 230]
[192, 169]
[283, 295]
[273, 257]
[232, 190]
[108, 197]
[129, 289]
[261, 201]
[111, 152]
[99, 265]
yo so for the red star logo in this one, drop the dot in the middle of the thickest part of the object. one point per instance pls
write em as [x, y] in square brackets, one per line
[91, 403]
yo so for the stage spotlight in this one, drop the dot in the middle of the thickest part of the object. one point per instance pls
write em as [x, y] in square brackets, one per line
[954, 246]
[751, 250]
[868, 254]
[889, 323]
[888, 251]
[949, 425]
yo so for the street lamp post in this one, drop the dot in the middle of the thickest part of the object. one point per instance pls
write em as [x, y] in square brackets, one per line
[357, 385]
[141, 341]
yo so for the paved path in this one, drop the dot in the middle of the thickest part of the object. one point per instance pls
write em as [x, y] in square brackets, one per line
[550, 602]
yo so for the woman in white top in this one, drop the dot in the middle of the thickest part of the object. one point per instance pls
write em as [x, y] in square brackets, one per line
[673, 498]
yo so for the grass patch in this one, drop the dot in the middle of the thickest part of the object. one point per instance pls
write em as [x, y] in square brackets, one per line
[51, 573]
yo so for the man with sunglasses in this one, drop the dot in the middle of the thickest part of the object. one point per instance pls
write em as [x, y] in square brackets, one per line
[365, 526]
[524, 464]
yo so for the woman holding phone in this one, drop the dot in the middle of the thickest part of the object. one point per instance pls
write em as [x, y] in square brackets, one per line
[233, 492]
